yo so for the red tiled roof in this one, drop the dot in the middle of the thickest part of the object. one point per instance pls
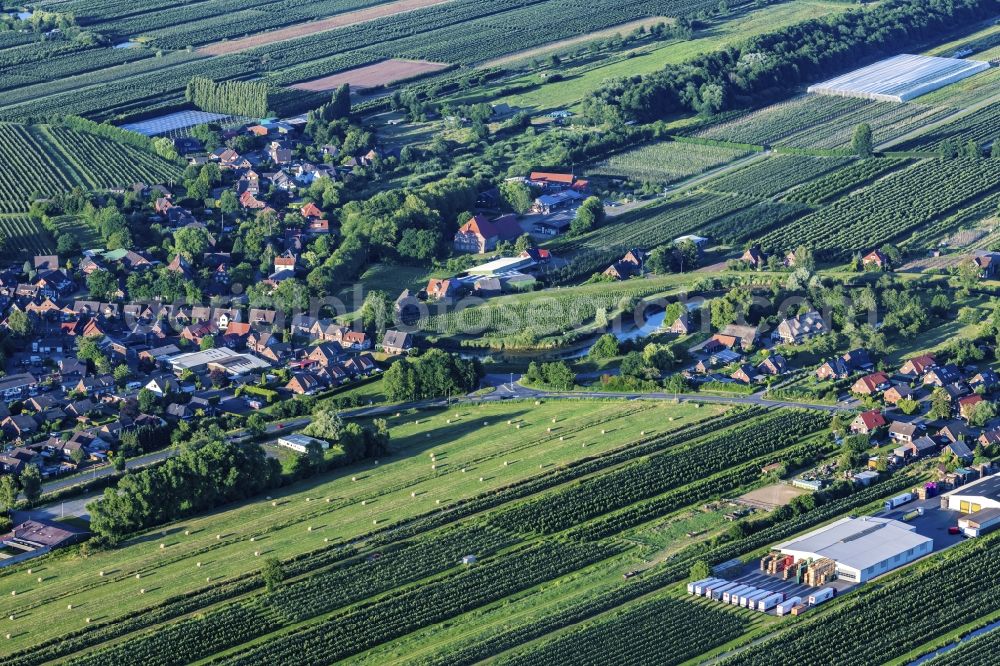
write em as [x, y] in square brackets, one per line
[546, 177]
[872, 419]
[311, 210]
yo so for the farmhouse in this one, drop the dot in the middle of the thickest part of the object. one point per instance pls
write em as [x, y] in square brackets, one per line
[862, 548]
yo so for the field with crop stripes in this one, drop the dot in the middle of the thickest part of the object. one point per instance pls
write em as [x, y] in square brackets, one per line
[820, 121]
[42, 160]
[774, 175]
[24, 237]
[666, 161]
[891, 208]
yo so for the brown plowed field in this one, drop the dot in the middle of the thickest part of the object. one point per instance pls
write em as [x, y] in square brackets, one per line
[312, 27]
[380, 74]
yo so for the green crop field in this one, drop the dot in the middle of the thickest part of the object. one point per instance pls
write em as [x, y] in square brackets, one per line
[821, 121]
[24, 236]
[59, 159]
[478, 440]
[773, 176]
[667, 161]
[931, 189]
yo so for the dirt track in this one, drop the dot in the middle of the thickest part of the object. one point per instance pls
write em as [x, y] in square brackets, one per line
[312, 27]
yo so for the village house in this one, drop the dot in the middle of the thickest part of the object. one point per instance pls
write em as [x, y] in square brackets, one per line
[898, 392]
[845, 365]
[900, 431]
[396, 342]
[480, 235]
[942, 376]
[967, 405]
[633, 263]
[871, 384]
[440, 289]
[987, 380]
[754, 258]
[866, 423]
[917, 366]
[773, 365]
[917, 448]
[798, 329]
[304, 383]
[746, 374]
[875, 260]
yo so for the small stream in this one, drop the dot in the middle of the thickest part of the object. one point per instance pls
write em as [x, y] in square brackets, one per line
[951, 646]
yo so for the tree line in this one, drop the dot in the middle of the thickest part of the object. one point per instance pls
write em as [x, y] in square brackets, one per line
[774, 64]
[431, 375]
[212, 471]
[238, 98]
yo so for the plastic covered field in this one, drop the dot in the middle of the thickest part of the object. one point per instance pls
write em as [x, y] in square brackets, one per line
[900, 78]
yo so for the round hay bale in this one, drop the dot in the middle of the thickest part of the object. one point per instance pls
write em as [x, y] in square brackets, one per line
[69, 606]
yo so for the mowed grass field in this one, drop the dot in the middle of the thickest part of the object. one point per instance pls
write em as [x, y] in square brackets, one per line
[478, 440]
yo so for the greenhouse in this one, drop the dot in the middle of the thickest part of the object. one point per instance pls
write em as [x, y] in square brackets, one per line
[900, 78]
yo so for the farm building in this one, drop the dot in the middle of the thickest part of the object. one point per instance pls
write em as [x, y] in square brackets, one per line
[862, 548]
[300, 443]
[983, 494]
[900, 78]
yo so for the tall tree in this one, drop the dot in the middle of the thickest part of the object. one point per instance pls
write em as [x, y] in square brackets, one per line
[862, 143]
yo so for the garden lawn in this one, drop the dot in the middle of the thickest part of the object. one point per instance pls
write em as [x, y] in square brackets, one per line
[281, 530]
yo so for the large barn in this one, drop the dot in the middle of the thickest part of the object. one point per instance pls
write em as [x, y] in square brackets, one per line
[862, 548]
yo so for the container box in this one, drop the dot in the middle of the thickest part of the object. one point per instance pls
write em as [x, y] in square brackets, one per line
[819, 597]
[785, 607]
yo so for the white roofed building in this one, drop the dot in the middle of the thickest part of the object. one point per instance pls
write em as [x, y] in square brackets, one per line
[862, 548]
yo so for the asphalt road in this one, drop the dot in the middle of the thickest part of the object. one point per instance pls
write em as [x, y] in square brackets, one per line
[100, 472]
